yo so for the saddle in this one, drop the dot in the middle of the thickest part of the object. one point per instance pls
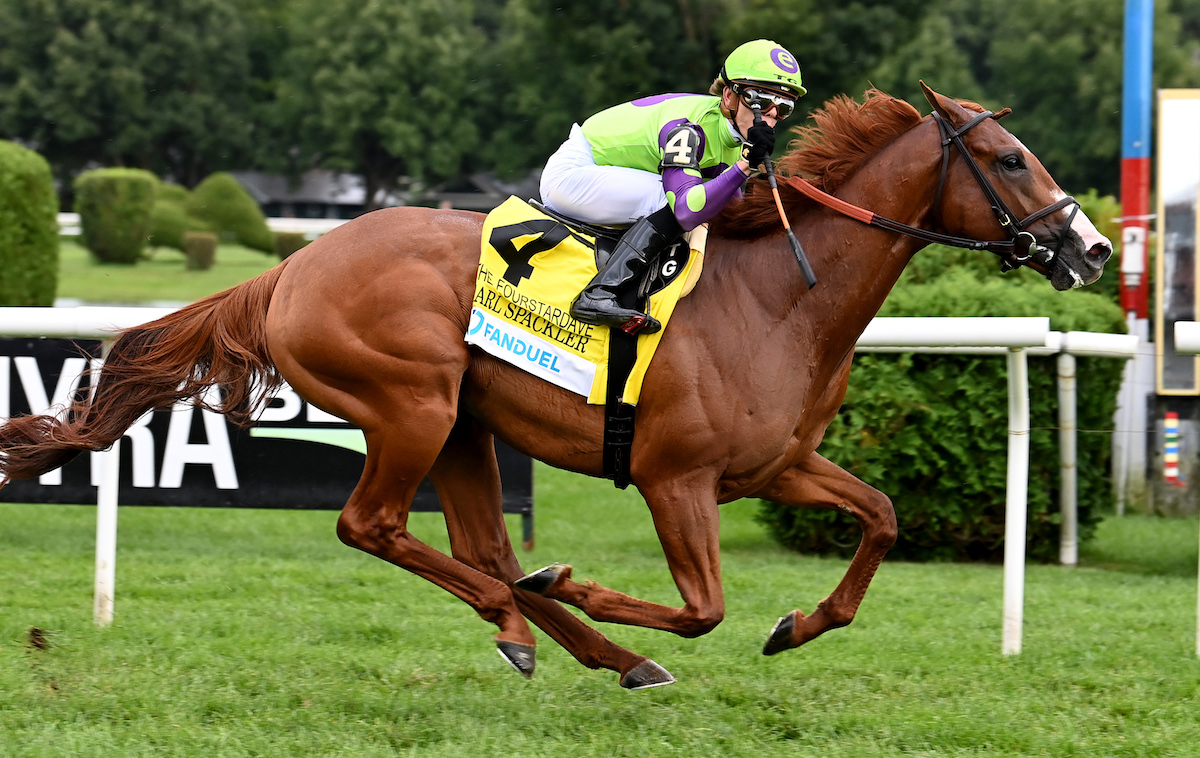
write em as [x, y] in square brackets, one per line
[619, 415]
[605, 239]
[533, 262]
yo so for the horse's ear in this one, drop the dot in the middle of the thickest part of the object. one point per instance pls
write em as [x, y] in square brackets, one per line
[949, 109]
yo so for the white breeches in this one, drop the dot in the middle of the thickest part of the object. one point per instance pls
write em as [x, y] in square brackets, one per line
[573, 185]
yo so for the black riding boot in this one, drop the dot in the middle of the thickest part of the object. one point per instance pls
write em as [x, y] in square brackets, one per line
[639, 245]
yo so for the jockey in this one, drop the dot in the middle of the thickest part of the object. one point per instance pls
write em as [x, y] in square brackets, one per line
[667, 164]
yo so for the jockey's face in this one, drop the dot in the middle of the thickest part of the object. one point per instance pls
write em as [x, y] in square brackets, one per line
[743, 117]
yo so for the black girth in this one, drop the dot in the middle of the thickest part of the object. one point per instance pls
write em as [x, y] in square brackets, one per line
[622, 347]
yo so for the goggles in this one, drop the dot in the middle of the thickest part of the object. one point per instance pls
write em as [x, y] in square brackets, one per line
[766, 99]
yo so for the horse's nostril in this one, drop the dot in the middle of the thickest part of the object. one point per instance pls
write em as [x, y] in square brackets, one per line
[1099, 252]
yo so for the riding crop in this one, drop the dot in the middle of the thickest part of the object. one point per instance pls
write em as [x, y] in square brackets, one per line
[810, 277]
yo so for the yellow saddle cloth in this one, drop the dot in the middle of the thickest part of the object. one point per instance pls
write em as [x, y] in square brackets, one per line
[530, 269]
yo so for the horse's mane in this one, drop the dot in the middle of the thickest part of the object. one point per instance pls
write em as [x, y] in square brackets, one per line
[842, 134]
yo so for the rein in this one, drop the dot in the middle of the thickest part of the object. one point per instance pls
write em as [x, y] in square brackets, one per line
[1020, 248]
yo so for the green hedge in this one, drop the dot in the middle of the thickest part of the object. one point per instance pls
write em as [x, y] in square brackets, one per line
[28, 228]
[287, 243]
[115, 206]
[229, 210]
[930, 431]
[200, 249]
[175, 194]
[169, 220]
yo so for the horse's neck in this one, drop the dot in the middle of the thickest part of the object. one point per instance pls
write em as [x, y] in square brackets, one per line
[857, 265]
[860, 264]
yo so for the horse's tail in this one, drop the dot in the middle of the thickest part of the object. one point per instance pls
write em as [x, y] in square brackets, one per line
[218, 342]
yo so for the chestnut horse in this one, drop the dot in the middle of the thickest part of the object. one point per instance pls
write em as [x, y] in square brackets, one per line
[367, 323]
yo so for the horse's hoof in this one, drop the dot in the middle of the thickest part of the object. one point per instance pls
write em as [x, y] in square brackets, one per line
[645, 675]
[521, 657]
[539, 581]
[780, 638]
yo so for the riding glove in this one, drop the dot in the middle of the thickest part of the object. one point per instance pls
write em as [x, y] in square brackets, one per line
[760, 141]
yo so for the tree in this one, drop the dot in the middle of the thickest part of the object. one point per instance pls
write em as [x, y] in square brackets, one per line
[1188, 12]
[383, 89]
[931, 56]
[1059, 65]
[555, 63]
[137, 83]
[836, 44]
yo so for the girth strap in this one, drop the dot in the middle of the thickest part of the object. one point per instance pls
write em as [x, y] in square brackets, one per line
[618, 415]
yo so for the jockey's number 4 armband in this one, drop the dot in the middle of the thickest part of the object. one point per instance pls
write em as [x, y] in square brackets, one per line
[681, 148]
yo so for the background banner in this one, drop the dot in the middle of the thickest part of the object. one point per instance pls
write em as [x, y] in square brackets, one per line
[297, 456]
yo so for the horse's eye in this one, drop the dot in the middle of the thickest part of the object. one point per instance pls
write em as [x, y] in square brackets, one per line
[1012, 163]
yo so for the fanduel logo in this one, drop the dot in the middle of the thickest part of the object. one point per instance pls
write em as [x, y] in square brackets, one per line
[540, 357]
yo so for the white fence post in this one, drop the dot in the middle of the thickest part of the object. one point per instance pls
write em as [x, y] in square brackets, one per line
[106, 535]
[1068, 542]
[1015, 506]
[107, 497]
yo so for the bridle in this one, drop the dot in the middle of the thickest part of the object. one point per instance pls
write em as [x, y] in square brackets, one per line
[1021, 247]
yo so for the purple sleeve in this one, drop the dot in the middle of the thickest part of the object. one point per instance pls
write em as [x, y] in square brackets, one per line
[710, 197]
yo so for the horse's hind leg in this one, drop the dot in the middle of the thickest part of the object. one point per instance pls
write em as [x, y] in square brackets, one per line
[375, 521]
[467, 478]
[817, 483]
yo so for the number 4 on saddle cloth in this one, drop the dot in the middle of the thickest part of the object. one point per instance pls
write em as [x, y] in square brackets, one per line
[531, 267]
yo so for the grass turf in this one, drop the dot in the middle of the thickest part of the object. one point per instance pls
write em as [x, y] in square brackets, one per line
[257, 633]
[161, 278]
[243, 633]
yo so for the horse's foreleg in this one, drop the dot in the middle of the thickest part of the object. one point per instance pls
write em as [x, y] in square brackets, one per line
[467, 478]
[817, 483]
[375, 521]
[687, 522]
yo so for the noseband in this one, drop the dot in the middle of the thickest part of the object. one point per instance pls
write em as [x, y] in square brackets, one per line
[1021, 247]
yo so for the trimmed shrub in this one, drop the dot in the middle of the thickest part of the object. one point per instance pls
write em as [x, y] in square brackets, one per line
[172, 193]
[930, 431]
[115, 206]
[287, 243]
[229, 210]
[169, 220]
[28, 228]
[200, 249]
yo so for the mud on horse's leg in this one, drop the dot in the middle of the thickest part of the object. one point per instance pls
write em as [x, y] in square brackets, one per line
[467, 478]
[817, 483]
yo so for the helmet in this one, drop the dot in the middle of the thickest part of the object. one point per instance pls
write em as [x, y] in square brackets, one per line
[765, 62]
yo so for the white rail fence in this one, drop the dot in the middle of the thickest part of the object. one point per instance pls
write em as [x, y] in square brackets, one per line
[1187, 336]
[68, 224]
[1016, 338]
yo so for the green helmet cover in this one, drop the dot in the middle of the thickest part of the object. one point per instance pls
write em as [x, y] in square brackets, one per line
[766, 62]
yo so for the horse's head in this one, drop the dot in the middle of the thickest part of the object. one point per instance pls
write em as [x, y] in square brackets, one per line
[984, 163]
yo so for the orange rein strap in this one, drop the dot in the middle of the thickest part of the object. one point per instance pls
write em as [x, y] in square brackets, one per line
[824, 198]
[871, 218]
